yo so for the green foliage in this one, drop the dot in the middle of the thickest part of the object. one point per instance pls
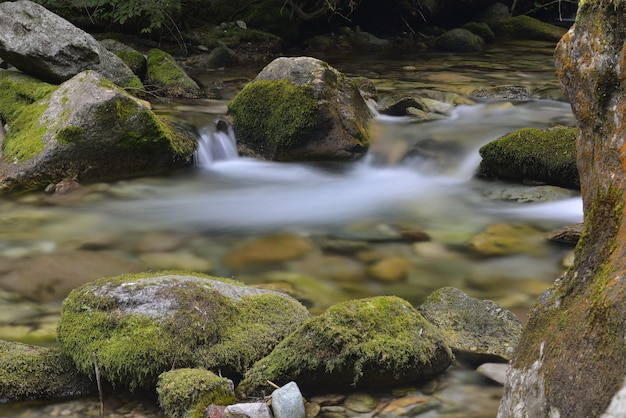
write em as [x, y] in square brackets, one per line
[151, 15]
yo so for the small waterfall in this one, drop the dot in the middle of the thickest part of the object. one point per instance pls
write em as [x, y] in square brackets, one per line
[217, 144]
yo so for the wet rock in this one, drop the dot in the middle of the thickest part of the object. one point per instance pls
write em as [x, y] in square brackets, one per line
[460, 40]
[141, 325]
[481, 29]
[50, 277]
[494, 371]
[299, 109]
[528, 194]
[526, 27]
[372, 342]
[248, 410]
[134, 59]
[360, 402]
[390, 269]
[504, 239]
[88, 129]
[476, 330]
[165, 77]
[269, 249]
[44, 45]
[533, 155]
[188, 392]
[176, 261]
[518, 93]
[569, 234]
[409, 406]
[397, 105]
[29, 372]
[287, 402]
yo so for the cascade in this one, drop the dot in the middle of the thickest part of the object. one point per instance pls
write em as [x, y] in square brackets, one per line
[216, 144]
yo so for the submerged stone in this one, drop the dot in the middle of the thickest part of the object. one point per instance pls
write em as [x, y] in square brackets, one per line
[478, 331]
[143, 325]
[371, 342]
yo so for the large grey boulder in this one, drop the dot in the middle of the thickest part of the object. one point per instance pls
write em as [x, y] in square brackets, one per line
[44, 45]
[88, 129]
[373, 342]
[143, 325]
[301, 109]
[477, 331]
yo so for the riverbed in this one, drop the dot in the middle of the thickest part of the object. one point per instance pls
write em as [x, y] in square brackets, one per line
[422, 210]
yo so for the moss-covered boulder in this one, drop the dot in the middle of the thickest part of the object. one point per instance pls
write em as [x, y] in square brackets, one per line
[370, 342]
[166, 78]
[478, 331]
[30, 372]
[544, 156]
[142, 326]
[134, 59]
[526, 27]
[88, 129]
[460, 40]
[299, 109]
[186, 393]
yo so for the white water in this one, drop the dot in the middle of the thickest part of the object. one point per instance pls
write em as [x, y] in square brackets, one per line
[233, 193]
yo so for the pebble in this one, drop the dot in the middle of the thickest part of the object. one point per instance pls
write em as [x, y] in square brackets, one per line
[360, 402]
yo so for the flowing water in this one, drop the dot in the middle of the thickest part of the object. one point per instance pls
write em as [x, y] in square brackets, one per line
[355, 215]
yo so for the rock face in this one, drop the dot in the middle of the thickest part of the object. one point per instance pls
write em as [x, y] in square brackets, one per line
[46, 46]
[478, 331]
[570, 361]
[88, 129]
[300, 109]
[141, 327]
[370, 342]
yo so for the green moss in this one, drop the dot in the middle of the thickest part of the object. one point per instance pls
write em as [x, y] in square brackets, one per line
[187, 392]
[164, 73]
[18, 91]
[375, 341]
[547, 156]
[274, 114]
[526, 27]
[205, 329]
[70, 134]
[24, 139]
[134, 60]
[30, 372]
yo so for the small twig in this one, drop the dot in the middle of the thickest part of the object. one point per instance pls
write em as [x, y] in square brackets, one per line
[272, 384]
[97, 368]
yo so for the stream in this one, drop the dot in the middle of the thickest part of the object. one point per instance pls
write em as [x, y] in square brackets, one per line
[354, 214]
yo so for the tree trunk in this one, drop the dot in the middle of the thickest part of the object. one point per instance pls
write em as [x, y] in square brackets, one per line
[571, 361]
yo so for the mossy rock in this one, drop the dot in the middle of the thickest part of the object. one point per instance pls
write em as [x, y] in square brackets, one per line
[143, 325]
[17, 91]
[29, 372]
[166, 78]
[460, 40]
[481, 29]
[526, 27]
[478, 331]
[532, 155]
[371, 342]
[299, 109]
[186, 393]
[89, 129]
